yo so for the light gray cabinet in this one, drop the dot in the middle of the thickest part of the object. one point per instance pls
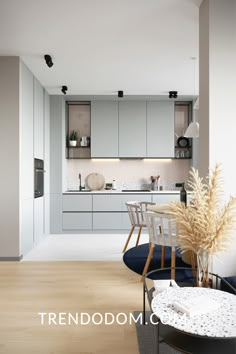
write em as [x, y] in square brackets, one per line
[38, 120]
[165, 198]
[77, 212]
[77, 202]
[132, 129]
[77, 221]
[104, 129]
[160, 129]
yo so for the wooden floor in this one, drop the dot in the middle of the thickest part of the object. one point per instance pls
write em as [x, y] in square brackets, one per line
[27, 288]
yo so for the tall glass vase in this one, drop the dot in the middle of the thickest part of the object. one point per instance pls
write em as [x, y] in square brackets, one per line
[203, 268]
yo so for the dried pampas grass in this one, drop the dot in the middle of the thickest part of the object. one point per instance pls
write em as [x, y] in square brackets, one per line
[206, 224]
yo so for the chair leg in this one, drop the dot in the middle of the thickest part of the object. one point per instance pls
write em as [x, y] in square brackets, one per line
[163, 253]
[173, 264]
[148, 261]
[128, 239]
[139, 233]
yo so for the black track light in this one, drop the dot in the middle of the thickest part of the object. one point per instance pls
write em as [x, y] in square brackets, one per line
[120, 93]
[64, 89]
[173, 94]
[48, 60]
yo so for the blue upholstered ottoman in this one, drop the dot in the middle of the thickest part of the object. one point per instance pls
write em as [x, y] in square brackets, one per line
[229, 284]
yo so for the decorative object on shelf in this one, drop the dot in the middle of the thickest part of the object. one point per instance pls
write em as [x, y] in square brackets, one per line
[182, 142]
[73, 138]
[206, 225]
[85, 141]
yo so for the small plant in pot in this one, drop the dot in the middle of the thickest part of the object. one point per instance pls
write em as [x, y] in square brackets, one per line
[73, 138]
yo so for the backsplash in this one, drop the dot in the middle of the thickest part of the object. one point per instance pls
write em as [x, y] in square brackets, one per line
[128, 174]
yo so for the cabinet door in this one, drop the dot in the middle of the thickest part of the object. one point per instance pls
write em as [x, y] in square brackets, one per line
[77, 221]
[38, 120]
[160, 129]
[108, 203]
[165, 198]
[132, 129]
[104, 129]
[77, 202]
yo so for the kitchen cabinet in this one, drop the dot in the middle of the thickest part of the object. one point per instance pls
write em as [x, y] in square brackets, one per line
[77, 212]
[160, 129]
[38, 120]
[132, 129]
[77, 202]
[110, 211]
[77, 221]
[104, 129]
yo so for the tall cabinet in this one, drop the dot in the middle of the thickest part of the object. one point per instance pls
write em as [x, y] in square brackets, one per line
[104, 129]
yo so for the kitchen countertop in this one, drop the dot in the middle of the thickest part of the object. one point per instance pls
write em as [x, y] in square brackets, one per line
[103, 191]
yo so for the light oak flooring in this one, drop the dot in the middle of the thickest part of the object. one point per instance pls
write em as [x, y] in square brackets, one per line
[27, 288]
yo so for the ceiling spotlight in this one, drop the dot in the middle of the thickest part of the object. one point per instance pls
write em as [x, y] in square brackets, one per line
[173, 94]
[48, 60]
[120, 93]
[64, 89]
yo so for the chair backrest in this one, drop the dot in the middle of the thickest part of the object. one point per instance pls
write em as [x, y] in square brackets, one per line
[135, 213]
[161, 228]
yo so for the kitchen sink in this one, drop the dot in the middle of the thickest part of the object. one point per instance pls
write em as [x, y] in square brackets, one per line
[136, 190]
[78, 191]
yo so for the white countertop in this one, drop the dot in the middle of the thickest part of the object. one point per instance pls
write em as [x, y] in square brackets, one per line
[103, 191]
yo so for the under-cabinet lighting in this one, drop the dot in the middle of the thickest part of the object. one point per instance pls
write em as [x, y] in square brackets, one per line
[114, 160]
[157, 160]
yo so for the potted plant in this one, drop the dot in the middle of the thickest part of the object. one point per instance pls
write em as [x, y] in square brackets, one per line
[205, 226]
[73, 138]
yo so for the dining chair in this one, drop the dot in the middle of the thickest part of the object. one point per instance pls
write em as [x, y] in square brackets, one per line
[162, 232]
[136, 212]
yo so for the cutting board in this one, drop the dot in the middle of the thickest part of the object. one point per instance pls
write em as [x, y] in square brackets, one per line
[95, 181]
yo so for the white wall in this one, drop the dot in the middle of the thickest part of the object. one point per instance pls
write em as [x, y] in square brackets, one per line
[9, 157]
[129, 173]
[26, 159]
[217, 101]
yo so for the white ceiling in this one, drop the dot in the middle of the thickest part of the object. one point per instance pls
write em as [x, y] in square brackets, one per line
[144, 47]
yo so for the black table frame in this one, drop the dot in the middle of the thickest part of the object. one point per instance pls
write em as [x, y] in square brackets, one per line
[176, 338]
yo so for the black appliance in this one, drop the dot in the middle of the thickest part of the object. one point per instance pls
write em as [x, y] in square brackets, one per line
[38, 178]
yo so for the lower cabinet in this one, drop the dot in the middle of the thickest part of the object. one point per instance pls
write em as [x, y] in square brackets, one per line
[111, 221]
[77, 221]
[103, 211]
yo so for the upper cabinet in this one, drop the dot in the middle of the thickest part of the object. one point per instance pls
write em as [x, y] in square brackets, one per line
[132, 129]
[127, 129]
[38, 120]
[104, 129]
[160, 129]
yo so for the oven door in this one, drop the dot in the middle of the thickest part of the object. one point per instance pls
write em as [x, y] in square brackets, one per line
[38, 178]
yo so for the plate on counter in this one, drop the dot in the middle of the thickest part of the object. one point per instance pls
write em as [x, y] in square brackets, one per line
[95, 181]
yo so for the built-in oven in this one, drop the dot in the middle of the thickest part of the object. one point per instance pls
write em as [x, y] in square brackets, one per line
[38, 178]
